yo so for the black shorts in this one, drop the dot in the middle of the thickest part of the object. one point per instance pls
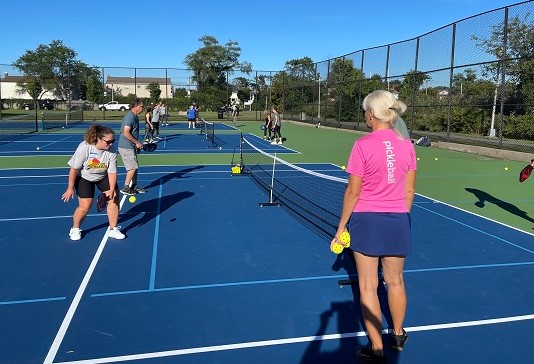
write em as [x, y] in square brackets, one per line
[86, 189]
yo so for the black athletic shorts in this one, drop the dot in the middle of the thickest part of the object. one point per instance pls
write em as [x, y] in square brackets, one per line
[86, 189]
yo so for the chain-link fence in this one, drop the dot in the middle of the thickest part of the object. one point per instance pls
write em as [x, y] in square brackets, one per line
[470, 82]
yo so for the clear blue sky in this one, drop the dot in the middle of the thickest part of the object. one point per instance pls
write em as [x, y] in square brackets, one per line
[116, 33]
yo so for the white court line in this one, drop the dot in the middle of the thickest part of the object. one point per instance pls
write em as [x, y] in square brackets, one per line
[295, 340]
[77, 297]
[474, 214]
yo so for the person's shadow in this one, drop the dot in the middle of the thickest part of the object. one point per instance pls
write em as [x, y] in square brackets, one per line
[349, 321]
[484, 197]
[148, 210]
[171, 176]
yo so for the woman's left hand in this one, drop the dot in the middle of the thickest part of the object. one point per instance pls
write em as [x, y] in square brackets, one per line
[68, 194]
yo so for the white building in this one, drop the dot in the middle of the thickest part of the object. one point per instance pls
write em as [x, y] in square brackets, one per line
[138, 86]
[120, 86]
[9, 89]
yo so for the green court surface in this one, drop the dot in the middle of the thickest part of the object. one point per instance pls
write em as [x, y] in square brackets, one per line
[471, 182]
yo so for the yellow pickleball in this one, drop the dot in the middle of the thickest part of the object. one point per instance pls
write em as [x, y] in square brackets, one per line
[344, 238]
[132, 199]
[336, 248]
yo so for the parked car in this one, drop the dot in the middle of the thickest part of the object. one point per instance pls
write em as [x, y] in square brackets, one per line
[114, 105]
[43, 104]
[27, 106]
[46, 104]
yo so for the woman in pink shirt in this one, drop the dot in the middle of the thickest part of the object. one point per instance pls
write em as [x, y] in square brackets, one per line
[376, 207]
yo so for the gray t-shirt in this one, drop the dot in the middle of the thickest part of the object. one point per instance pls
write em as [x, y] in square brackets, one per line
[277, 121]
[156, 114]
[400, 126]
[131, 120]
[93, 164]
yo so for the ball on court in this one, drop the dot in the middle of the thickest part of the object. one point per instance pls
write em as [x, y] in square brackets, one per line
[37, 148]
[436, 158]
[505, 168]
[418, 158]
[344, 238]
[336, 248]
[343, 167]
[132, 199]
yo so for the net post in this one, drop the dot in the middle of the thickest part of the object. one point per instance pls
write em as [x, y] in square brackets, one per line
[238, 169]
[271, 200]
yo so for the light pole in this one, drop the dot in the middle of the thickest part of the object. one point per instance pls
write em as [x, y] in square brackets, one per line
[319, 101]
[494, 109]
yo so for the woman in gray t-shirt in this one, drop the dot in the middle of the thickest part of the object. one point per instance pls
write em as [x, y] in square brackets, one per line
[94, 165]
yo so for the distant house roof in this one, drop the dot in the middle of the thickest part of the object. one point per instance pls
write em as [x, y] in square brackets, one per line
[132, 80]
[8, 78]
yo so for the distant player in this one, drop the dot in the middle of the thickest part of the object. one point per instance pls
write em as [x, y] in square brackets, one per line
[192, 117]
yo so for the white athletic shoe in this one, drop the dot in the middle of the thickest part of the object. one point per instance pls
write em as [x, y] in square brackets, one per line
[75, 234]
[115, 233]
[280, 142]
[273, 143]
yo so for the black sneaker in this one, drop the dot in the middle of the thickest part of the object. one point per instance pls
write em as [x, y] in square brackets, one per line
[138, 189]
[128, 191]
[399, 340]
[366, 356]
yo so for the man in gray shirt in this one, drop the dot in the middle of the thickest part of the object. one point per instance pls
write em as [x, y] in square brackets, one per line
[129, 147]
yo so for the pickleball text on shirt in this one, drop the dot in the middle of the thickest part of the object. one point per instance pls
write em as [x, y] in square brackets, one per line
[390, 161]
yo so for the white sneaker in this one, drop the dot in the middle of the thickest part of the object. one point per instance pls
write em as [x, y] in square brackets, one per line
[115, 233]
[273, 143]
[280, 142]
[75, 234]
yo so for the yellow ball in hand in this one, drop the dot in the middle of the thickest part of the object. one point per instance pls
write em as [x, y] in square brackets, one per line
[132, 199]
[344, 239]
[336, 247]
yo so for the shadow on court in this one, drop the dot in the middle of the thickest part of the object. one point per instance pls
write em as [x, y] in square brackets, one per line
[145, 211]
[348, 316]
[484, 197]
[148, 210]
[172, 176]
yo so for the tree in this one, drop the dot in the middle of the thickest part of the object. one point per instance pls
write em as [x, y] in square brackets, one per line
[344, 83]
[94, 91]
[413, 81]
[154, 90]
[211, 65]
[211, 62]
[55, 68]
[518, 60]
[292, 87]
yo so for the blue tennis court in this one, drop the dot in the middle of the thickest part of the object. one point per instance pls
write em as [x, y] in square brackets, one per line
[187, 141]
[205, 275]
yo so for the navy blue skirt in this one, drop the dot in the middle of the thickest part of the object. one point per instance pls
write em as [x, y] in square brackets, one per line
[381, 233]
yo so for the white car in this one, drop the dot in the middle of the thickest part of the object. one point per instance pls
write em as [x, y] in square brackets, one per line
[114, 105]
